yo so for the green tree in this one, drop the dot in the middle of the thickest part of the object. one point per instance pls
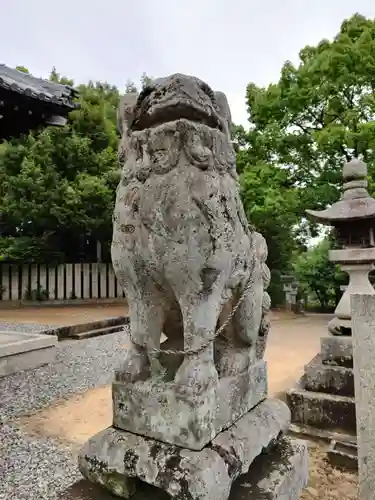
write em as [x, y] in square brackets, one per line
[146, 80]
[319, 276]
[57, 185]
[269, 201]
[319, 113]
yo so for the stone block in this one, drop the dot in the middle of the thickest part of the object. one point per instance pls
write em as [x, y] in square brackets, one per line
[179, 415]
[281, 474]
[326, 411]
[22, 351]
[330, 379]
[337, 350]
[117, 459]
[322, 434]
[343, 455]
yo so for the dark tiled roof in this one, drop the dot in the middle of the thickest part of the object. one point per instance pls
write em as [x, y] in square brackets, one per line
[36, 88]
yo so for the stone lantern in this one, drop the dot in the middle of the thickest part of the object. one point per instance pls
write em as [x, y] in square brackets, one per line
[290, 287]
[322, 403]
[353, 219]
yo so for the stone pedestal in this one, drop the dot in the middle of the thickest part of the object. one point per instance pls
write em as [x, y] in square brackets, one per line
[182, 415]
[249, 460]
[198, 445]
[324, 396]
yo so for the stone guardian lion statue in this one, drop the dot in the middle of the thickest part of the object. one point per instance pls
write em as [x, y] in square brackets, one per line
[182, 247]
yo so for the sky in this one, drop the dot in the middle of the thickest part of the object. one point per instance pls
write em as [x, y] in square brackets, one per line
[227, 43]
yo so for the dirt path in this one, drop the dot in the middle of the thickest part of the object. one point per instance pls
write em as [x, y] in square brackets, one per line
[60, 316]
[293, 341]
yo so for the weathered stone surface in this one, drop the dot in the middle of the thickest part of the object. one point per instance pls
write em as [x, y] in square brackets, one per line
[337, 350]
[363, 320]
[358, 263]
[323, 434]
[327, 378]
[327, 411]
[343, 455]
[113, 458]
[279, 475]
[182, 248]
[192, 269]
[181, 415]
[324, 397]
[252, 433]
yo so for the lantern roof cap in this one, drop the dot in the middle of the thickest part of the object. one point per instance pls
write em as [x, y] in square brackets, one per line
[355, 202]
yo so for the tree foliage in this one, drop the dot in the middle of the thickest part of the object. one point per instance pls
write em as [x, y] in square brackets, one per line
[320, 113]
[269, 203]
[57, 185]
[318, 275]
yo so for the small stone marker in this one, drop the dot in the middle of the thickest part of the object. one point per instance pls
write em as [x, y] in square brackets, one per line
[363, 324]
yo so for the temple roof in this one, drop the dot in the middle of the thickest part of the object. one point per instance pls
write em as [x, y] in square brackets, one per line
[29, 86]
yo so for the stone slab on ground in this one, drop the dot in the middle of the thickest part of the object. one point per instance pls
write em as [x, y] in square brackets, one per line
[278, 475]
[337, 350]
[22, 351]
[343, 455]
[24, 327]
[101, 327]
[78, 367]
[317, 409]
[182, 416]
[330, 379]
[321, 434]
[115, 458]
[45, 469]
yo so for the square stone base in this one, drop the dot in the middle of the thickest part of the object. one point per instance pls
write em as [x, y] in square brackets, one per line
[120, 461]
[178, 415]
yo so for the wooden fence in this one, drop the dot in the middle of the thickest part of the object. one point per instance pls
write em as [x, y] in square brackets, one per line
[30, 282]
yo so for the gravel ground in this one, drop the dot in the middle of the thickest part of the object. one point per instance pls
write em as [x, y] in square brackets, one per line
[33, 468]
[79, 365]
[42, 469]
[27, 327]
